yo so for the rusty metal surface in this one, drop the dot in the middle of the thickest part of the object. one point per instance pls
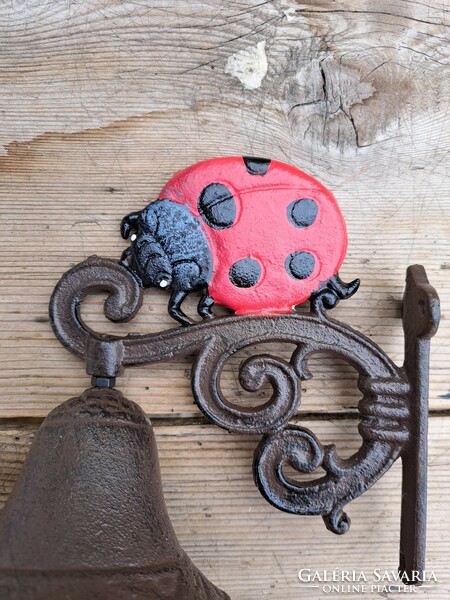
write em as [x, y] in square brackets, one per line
[87, 518]
[393, 407]
[421, 314]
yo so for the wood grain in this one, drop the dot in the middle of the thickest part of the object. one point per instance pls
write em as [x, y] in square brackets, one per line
[71, 67]
[100, 103]
[254, 551]
[103, 102]
[63, 198]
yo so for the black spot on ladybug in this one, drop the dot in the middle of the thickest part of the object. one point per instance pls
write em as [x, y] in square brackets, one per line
[245, 273]
[216, 206]
[300, 265]
[302, 213]
[256, 166]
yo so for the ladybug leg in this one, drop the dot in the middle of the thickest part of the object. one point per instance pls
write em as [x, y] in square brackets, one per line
[176, 298]
[331, 292]
[125, 255]
[342, 289]
[323, 299]
[126, 260]
[205, 304]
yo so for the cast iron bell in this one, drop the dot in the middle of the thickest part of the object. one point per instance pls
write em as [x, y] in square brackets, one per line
[87, 519]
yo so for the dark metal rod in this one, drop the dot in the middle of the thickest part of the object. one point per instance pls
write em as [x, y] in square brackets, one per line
[420, 321]
[414, 473]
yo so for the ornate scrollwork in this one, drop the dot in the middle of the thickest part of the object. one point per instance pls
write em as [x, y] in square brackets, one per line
[344, 479]
[92, 276]
[254, 372]
[384, 407]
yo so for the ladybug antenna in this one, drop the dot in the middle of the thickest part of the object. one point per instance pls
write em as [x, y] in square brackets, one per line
[343, 290]
[128, 223]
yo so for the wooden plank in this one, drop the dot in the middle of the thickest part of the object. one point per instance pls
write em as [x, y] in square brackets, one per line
[254, 551]
[56, 208]
[71, 67]
[102, 103]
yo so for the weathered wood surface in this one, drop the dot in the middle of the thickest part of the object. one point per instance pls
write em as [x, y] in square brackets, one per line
[254, 551]
[102, 101]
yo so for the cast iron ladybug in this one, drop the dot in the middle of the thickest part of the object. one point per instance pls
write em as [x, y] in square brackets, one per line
[255, 235]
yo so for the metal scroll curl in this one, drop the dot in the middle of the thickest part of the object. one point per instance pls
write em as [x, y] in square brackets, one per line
[94, 275]
[384, 406]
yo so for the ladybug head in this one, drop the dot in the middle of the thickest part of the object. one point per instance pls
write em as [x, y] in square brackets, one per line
[129, 223]
[147, 257]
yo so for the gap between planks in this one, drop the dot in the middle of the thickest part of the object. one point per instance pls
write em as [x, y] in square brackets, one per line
[10, 422]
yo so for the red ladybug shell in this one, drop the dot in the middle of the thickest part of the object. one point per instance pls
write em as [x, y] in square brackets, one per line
[262, 229]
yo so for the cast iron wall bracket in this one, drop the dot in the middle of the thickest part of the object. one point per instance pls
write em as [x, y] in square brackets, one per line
[393, 408]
